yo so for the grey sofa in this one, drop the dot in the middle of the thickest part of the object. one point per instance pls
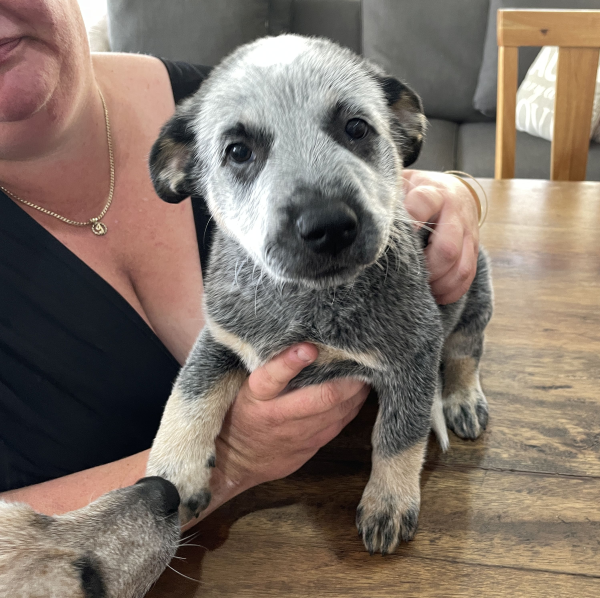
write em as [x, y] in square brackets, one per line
[436, 46]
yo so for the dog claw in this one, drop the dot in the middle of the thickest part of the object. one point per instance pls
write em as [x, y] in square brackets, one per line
[198, 502]
[466, 413]
[382, 530]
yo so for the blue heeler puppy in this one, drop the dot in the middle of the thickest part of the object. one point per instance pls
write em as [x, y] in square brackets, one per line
[298, 146]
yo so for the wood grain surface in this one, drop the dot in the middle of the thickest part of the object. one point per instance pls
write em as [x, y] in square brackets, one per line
[515, 513]
[544, 27]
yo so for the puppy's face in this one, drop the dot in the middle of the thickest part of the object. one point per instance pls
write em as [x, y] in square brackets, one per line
[114, 548]
[297, 146]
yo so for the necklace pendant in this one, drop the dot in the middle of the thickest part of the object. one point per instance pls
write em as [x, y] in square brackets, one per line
[99, 228]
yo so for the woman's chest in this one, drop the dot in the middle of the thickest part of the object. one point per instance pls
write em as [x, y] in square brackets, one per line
[149, 255]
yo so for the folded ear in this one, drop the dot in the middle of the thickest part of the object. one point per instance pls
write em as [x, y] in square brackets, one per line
[409, 121]
[172, 159]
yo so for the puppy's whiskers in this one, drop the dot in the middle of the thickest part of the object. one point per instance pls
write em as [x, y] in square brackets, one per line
[196, 545]
[235, 275]
[186, 576]
[186, 538]
[256, 290]
[387, 265]
[237, 270]
[420, 224]
[350, 288]
[206, 228]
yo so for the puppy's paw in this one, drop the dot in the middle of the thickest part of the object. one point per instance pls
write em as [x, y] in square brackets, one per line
[466, 413]
[190, 477]
[193, 504]
[385, 521]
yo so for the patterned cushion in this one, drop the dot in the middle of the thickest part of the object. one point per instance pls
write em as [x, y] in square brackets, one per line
[484, 99]
[535, 98]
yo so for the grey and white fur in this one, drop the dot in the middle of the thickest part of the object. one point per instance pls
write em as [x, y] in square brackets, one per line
[298, 147]
[116, 547]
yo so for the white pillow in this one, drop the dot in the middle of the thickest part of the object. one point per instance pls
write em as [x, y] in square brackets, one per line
[98, 36]
[535, 98]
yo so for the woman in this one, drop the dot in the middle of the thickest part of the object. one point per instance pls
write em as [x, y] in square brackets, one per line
[93, 327]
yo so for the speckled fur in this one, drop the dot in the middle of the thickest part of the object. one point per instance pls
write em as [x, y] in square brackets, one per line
[264, 291]
[115, 547]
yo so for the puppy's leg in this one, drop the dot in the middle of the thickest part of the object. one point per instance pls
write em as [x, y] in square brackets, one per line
[389, 508]
[183, 451]
[465, 405]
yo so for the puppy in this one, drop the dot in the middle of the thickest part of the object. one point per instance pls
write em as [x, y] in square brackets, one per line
[298, 146]
[115, 547]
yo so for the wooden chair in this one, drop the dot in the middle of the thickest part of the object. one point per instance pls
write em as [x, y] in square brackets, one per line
[577, 34]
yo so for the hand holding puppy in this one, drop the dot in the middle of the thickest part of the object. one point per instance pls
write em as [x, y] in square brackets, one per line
[269, 433]
[442, 200]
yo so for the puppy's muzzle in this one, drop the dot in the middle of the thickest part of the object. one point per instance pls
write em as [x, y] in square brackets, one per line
[327, 229]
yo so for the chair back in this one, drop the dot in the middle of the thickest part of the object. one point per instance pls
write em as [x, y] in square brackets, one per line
[577, 35]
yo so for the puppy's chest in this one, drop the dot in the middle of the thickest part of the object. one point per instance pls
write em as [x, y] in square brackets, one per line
[257, 333]
[369, 322]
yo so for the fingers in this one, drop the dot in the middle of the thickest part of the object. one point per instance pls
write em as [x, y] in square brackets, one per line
[330, 432]
[423, 203]
[269, 380]
[323, 401]
[451, 286]
[451, 254]
[445, 248]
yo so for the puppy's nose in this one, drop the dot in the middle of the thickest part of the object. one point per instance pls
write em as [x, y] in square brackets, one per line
[160, 494]
[328, 229]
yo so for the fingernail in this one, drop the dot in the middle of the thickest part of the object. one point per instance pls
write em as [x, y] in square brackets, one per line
[303, 354]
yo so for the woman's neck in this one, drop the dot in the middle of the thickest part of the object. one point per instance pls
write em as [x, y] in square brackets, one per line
[58, 158]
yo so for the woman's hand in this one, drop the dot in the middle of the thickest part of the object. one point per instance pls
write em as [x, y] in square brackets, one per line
[268, 435]
[451, 255]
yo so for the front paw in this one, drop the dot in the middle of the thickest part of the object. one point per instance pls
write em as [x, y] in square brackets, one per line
[384, 521]
[192, 480]
[466, 412]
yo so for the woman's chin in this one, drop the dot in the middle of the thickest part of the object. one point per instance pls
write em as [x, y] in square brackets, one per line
[27, 82]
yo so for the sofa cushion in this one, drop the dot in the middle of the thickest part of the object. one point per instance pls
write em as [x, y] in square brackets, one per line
[205, 31]
[339, 20]
[484, 99]
[439, 149]
[197, 32]
[475, 151]
[434, 45]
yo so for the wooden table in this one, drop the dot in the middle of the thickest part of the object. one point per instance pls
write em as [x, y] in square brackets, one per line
[516, 513]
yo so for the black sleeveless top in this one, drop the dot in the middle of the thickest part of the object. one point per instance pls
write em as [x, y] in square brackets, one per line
[83, 379]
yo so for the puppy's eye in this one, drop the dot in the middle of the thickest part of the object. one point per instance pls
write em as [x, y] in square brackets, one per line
[357, 128]
[239, 152]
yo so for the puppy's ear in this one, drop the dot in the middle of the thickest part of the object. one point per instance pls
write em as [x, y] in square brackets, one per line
[172, 159]
[409, 122]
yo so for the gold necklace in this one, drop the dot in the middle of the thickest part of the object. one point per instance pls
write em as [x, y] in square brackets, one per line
[98, 228]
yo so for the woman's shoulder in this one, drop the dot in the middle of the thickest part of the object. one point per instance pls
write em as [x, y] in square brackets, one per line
[142, 74]
[137, 78]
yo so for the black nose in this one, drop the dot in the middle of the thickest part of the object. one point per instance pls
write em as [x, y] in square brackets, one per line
[160, 494]
[328, 229]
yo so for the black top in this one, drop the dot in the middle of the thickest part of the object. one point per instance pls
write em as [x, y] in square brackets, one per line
[83, 379]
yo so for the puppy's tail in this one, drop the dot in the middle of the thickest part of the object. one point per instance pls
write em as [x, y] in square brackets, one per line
[438, 422]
